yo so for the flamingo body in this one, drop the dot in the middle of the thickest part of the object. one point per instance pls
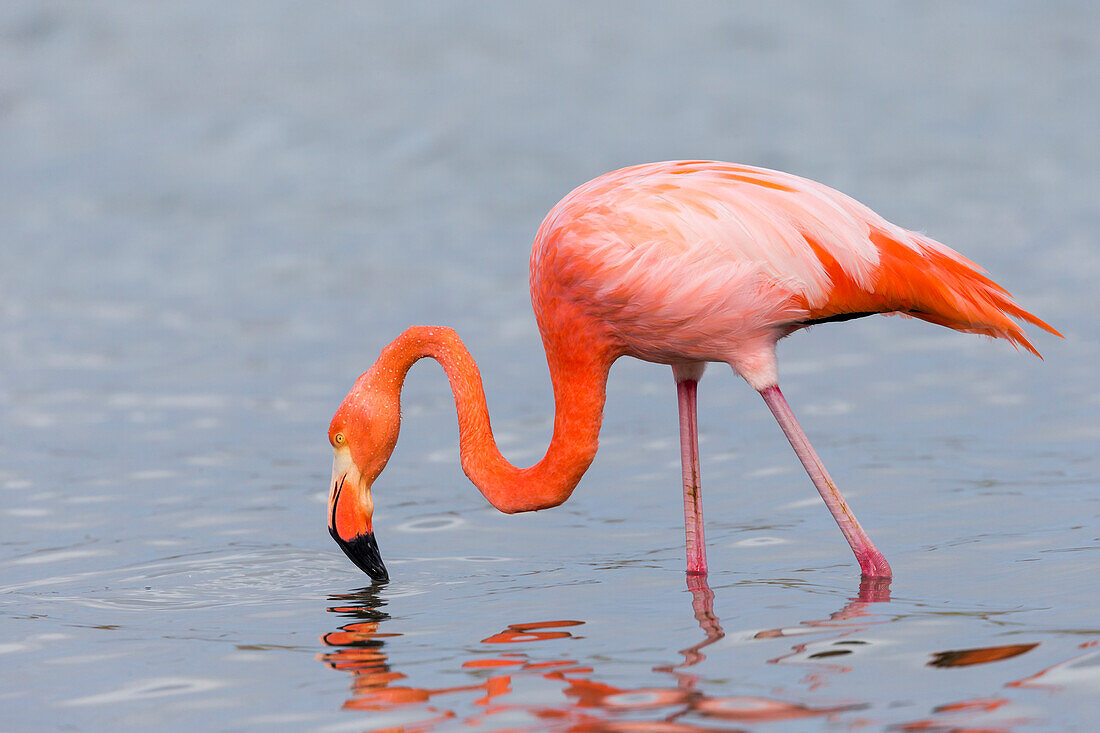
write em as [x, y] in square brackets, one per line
[714, 262]
[680, 263]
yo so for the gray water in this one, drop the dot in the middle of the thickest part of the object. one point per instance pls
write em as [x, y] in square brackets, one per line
[214, 215]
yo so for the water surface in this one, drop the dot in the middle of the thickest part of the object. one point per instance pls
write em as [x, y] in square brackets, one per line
[214, 216]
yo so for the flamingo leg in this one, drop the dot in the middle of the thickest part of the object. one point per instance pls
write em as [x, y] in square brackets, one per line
[871, 561]
[689, 461]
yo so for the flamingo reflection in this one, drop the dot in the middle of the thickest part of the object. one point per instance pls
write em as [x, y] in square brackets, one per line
[586, 704]
[496, 682]
[1082, 669]
[834, 634]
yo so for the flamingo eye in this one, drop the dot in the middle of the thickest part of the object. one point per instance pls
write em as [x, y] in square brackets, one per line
[339, 439]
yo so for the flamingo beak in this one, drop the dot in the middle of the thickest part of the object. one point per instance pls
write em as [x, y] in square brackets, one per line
[350, 510]
[363, 551]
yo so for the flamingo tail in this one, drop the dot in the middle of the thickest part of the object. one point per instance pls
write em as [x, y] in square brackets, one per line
[919, 277]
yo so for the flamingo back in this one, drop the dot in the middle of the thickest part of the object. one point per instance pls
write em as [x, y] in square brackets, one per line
[711, 261]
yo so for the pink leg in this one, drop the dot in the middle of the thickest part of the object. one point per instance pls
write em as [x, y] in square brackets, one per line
[871, 561]
[689, 460]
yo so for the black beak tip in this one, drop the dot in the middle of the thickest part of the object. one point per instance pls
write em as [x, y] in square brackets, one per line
[363, 551]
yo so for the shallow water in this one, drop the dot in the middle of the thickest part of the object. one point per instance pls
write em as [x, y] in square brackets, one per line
[215, 215]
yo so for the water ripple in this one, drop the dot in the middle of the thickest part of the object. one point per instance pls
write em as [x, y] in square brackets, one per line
[149, 688]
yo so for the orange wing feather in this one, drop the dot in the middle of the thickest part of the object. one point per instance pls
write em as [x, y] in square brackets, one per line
[930, 282]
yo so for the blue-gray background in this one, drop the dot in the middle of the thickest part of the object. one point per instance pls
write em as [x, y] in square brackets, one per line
[213, 215]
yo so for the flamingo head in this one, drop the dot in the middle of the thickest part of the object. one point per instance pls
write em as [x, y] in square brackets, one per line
[363, 434]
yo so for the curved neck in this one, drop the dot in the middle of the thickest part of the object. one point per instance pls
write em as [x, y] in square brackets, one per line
[579, 380]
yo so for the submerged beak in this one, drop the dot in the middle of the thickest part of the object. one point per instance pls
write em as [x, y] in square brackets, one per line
[349, 517]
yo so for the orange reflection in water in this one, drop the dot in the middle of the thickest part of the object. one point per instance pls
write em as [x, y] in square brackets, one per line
[498, 693]
[586, 704]
[985, 655]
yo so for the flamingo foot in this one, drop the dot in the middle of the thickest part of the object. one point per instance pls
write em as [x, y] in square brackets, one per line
[872, 563]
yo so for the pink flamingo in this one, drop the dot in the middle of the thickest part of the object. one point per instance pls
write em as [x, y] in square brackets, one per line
[679, 263]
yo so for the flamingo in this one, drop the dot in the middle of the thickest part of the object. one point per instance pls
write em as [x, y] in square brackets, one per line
[679, 263]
